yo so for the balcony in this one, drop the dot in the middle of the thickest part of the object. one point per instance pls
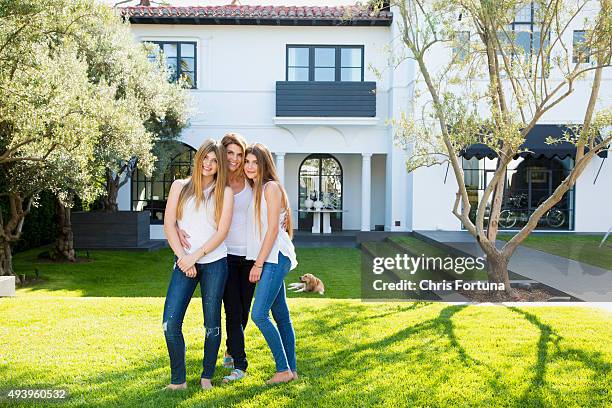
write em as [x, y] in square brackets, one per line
[342, 102]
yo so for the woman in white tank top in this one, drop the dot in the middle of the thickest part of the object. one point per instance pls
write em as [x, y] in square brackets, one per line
[271, 248]
[239, 290]
[202, 207]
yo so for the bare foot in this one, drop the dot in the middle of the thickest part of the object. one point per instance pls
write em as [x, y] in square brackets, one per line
[295, 376]
[175, 387]
[205, 384]
[282, 377]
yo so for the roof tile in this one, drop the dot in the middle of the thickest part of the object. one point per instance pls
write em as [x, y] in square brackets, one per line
[355, 12]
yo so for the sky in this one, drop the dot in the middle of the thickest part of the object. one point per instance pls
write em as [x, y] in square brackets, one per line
[243, 2]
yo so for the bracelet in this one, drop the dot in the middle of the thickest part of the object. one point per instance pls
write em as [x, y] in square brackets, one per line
[257, 266]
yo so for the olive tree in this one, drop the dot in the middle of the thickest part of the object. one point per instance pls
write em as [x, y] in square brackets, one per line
[495, 91]
[66, 119]
[47, 129]
[146, 110]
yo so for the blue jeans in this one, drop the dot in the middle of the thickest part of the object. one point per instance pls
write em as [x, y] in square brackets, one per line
[270, 295]
[212, 277]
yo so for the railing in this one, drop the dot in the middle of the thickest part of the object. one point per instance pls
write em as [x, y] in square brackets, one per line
[328, 99]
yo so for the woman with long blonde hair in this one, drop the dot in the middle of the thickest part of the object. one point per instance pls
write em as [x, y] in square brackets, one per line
[269, 243]
[239, 290]
[201, 205]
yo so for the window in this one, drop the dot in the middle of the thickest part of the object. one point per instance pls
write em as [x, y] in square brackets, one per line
[581, 53]
[461, 45]
[529, 181]
[298, 63]
[151, 193]
[320, 178]
[180, 58]
[325, 63]
[525, 33]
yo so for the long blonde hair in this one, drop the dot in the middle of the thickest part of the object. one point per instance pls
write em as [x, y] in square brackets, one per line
[266, 171]
[195, 185]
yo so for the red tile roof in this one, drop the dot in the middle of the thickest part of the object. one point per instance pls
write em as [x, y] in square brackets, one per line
[260, 14]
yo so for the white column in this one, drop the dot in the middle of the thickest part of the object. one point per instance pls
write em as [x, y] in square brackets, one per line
[366, 187]
[280, 166]
[399, 183]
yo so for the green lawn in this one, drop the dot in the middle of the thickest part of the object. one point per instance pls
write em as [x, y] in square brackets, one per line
[583, 248]
[95, 329]
[146, 274]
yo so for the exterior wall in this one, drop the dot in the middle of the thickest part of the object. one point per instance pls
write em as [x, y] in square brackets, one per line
[236, 92]
[238, 66]
[433, 200]
[594, 201]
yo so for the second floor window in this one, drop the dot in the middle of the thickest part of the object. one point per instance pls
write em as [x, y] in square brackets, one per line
[524, 32]
[461, 46]
[324, 63]
[181, 60]
[580, 52]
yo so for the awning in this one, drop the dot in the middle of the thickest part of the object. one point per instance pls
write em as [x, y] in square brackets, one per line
[536, 143]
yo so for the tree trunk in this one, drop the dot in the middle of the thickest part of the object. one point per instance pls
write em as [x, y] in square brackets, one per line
[109, 201]
[497, 271]
[6, 260]
[64, 244]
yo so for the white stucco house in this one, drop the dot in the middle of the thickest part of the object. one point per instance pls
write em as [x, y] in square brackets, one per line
[297, 79]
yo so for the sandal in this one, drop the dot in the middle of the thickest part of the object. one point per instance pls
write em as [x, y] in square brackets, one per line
[228, 362]
[236, 374]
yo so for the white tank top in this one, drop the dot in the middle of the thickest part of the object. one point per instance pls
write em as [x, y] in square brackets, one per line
[200, 225]
[236, 239]
[282, 244]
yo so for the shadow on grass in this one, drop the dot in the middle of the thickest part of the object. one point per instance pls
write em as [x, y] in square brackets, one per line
[549, 349]
[348, 355]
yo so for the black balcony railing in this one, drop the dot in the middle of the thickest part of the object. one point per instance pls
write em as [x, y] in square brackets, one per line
[331, 99]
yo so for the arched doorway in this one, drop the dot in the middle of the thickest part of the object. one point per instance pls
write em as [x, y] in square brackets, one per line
[320, 178]
[151, 193]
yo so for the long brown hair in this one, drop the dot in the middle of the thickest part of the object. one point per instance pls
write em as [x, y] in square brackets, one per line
[266, 171]
[237, 139]
[195, 185]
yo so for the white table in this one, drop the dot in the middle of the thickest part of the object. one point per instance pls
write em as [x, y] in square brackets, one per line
[316, 224]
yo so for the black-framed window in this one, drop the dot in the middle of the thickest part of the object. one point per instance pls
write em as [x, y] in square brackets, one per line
[529, 181]
[461, 45]
[320, 177]
[325, 63]
[181, 59]
[580, 52]
[525, 31]
[151, 193]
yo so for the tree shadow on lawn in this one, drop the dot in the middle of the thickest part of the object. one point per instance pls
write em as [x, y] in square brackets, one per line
[352, 362]
[333, 320]
[348, 355]
[142, 384]
[549, 349]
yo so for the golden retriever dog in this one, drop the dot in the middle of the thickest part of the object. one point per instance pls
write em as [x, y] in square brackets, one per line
[308, 283]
